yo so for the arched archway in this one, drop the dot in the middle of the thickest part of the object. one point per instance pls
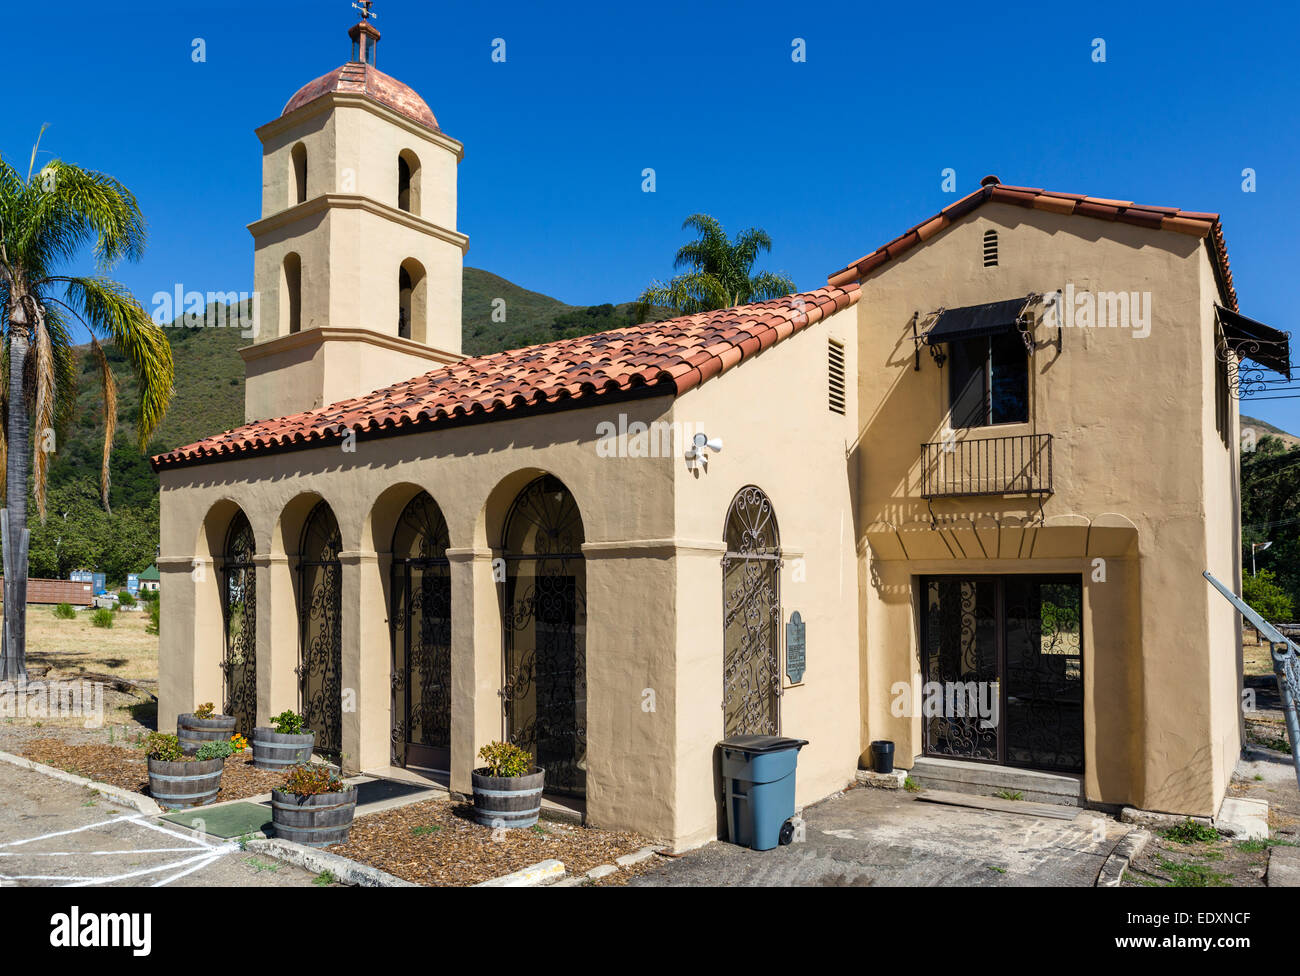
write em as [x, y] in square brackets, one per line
[544, 606]
[239, 617]
[320, 611]
[751, 607]
[420, 614]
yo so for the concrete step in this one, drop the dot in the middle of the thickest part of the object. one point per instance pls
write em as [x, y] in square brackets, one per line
[985, 779]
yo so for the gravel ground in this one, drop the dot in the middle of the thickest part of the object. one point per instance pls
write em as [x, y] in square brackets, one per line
[128, 769]
[435, 843]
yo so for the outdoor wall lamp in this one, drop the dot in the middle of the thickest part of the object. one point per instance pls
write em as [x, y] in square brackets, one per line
[699, 450]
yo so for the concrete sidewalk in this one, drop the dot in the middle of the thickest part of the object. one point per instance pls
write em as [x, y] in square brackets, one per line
[879, 837]
[56, 833]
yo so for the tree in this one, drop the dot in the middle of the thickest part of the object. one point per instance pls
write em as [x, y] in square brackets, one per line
[47, 220]
[1270, 510]
[1262, 594]
[719, 275]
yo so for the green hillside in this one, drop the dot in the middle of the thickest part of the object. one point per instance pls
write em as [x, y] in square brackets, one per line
[210, 379]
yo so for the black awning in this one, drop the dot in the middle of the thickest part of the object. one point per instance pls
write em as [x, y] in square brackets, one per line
[972, 321]
[1255, 341]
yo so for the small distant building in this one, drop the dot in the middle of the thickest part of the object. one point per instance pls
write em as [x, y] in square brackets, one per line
[98, 581]
[148, 580]
[52, 591]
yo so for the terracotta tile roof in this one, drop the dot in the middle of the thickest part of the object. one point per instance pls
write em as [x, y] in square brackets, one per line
[1203, 225]
[665, 358]
[364, 79]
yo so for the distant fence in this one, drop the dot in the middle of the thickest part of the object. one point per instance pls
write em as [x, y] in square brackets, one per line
[58, 591]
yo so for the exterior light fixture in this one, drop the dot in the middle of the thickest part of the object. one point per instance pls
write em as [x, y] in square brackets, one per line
[701, 446]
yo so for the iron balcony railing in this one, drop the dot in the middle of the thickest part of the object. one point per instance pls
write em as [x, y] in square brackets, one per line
[1020, 465]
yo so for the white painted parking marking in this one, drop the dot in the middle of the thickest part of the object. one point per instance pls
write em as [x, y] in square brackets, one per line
[201, 851]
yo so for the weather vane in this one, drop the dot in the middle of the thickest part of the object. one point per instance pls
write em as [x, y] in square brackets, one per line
[364, 6]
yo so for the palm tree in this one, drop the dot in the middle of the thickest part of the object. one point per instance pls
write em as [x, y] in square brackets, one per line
[46, 221]
[719, 275]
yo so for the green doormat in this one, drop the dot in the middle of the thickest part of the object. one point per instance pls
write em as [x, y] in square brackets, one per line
[229, 820]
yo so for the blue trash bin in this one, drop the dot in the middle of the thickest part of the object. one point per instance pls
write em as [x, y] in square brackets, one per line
[758, 780]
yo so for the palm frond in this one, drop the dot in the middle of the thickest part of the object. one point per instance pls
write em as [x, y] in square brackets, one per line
[69, 208]
[767, 285]
[110, 418]
[111, 311]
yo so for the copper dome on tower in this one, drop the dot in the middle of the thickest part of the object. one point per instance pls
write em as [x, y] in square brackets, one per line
[360, 77]
[364, 79]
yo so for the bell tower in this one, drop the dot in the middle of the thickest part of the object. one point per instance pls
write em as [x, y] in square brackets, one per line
[357, 260]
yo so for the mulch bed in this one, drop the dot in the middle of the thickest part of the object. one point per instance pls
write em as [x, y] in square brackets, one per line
[435, 843]
[127, 768]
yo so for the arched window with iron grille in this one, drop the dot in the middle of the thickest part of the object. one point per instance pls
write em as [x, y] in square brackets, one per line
[751, 608]
[544, 609]
[320, 612]
[421, 625]
[239, 613]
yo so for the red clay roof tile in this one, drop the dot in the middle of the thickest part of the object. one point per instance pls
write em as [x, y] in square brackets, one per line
[1204, 225]
[665, 358]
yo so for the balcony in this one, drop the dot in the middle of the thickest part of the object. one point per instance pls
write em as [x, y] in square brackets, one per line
[1020, 465]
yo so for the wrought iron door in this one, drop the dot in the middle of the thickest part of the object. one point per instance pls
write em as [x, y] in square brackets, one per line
[239, 613]
[421, 616]
[1003, 664]
[544, 626]
[320, 611]
[751, 605]
[960, 649]
[1044, 672]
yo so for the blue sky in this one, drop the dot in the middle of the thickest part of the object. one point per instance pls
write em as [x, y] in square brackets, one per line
[832, 156]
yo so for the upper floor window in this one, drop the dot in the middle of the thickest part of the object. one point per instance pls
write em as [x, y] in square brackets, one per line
[988, 382]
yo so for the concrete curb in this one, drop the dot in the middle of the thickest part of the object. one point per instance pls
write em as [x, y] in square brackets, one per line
[137, 801]
[344, 869]
[537, 874]
[1130, 846]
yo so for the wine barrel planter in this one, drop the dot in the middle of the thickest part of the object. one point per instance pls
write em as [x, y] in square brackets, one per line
[317, 821]
[280, 750]
[508, 801]
[178, 785]
[193, 732]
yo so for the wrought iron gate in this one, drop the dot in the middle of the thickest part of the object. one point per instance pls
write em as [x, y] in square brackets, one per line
[1002, 658]
[751, 606]
[320, 609]
[421, 674]
[544, 626]
[239, 613]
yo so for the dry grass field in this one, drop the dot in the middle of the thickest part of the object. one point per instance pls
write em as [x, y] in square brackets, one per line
[72, 649]
[123, 650]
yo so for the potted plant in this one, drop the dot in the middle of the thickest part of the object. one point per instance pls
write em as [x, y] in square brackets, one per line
[314, 807]
[284, 743]
[508, 789]
[176, 780]
[203, 725]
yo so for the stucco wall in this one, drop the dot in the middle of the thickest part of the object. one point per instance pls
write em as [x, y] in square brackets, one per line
[473, 473]
[1131, 442]
[772, 413]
